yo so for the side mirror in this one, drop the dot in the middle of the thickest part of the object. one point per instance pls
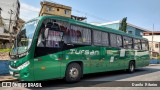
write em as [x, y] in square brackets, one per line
[46, 32]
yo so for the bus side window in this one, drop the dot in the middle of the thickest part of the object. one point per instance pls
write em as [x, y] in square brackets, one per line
[116, 40]
[119, 41]
[137, 44]
[144, 45]
[97, 37]
[127, 42]
[105, 39]
[113, 40]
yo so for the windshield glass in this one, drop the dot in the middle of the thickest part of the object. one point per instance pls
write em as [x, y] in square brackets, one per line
[24, 38]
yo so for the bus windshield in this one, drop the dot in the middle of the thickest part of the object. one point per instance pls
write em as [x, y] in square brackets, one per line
[24, 38]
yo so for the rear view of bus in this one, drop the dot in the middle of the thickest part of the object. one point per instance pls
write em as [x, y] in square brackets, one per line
[54, 47]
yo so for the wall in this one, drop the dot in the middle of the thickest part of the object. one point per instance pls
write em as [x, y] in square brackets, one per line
[135, 31]
[4, 63]
[54, 11]
[4, 56]
[156, 38]
[132, 29]
[4, 67]
[1, 30]
[139, 32]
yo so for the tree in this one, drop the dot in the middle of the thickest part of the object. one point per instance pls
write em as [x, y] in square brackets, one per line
[123, 26]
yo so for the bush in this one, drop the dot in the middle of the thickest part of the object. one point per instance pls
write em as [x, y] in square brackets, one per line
[5, 50]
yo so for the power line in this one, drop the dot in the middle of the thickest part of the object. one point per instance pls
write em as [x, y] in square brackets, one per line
[90, 15]
[82, 12]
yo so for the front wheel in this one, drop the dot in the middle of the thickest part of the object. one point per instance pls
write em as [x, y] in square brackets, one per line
[131, 68]
[73, 73]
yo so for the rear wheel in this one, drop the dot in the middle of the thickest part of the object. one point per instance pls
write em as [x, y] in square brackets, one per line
[73, 73]
[131, 68]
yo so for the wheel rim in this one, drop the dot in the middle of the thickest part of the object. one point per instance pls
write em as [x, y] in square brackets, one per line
[73, 73]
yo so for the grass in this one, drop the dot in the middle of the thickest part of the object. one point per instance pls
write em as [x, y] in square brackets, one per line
[5, 50]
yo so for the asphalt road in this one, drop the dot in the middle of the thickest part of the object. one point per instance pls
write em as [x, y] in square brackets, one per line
[115, 80]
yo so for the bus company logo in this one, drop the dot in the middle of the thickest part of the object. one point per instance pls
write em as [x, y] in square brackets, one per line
[15, 84]
[85, 52]
[6, 84]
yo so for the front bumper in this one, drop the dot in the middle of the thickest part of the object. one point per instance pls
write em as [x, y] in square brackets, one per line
[23, 74]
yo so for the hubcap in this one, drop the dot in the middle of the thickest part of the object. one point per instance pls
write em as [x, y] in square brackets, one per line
[73, 73]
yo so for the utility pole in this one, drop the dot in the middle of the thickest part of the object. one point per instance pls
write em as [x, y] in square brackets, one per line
[0, 14]
[152, 40]
[10, 38]
[0, 10]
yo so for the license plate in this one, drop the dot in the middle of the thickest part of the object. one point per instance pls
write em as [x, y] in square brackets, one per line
[11, 73]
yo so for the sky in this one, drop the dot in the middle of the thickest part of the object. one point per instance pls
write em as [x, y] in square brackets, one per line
[142, 13]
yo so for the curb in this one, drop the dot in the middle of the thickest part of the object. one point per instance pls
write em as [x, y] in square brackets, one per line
[9, 80]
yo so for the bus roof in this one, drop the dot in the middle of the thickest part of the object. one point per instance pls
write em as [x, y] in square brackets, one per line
[84, 24]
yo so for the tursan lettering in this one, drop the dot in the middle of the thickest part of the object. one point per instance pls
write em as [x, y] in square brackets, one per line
[85, 52]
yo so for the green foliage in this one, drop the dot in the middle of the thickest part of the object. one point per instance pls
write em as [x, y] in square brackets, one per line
[5, 50]
[123, 26]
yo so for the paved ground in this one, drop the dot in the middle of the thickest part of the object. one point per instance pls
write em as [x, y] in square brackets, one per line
[101, 80]
[7, 78]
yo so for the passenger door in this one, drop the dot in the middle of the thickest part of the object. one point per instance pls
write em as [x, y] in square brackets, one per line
[47, 52]
[46, 67]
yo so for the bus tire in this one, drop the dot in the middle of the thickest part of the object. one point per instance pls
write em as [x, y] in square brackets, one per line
[131, 67]
[73, 73]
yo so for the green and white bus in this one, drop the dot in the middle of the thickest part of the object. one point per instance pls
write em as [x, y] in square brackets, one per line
[54, 47]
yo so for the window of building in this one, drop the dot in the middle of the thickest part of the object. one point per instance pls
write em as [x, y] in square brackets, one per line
[127, 42]
[96, 37]
[144, 45]
[57, 9]
[130, 32]
[156, 45]
[137, 44]
[66, 12]
[49, 8]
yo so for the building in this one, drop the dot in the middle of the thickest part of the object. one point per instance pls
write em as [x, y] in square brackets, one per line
[1, 25]
[20, 23]
[132, 29]
[49, 8]
[10, 10]
[9, 16]
[154, 42]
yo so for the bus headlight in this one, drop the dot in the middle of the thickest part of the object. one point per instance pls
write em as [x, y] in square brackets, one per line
[23, 65]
